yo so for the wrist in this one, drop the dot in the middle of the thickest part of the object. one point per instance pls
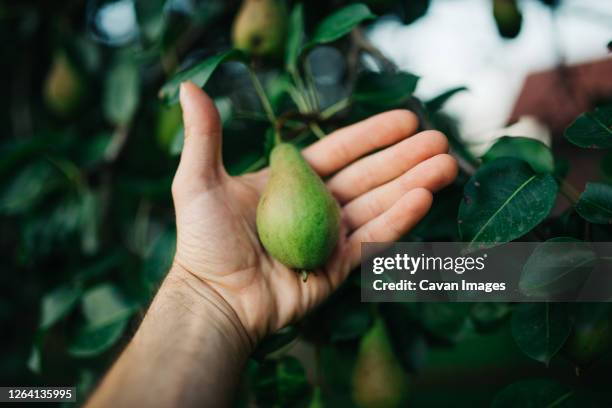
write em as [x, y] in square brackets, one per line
[199, 298]
[190, 344]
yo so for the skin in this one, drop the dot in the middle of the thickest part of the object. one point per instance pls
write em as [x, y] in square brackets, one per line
[224, 293]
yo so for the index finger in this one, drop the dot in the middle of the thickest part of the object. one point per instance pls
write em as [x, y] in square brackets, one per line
[346, 145]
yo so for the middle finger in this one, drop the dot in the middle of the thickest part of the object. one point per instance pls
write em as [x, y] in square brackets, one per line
[385, 165]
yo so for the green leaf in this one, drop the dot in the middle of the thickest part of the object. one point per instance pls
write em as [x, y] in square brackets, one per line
[90, 209]
[448, 321]
[101, 266]
[488, 315]
[440, 223]
[104, 304]
[34, 362]
[29, 187]
[281, 383]
[91, 152]
[504, 200]
[532, 151]
[606, 167]
[450, 127]
[541, 329]
[176, 147]
[535, 393]
[279, 89]
[553, 269]
[53, 226]
[595, 203]
[340, 23]
[12, 150]
[336, 360]
[57, 304]
[121, 93]
[92, 340]
[159, 258]
[353, 322]
[107, 313]
[169, 124]
[410, 346]
[275, 342]
[317, 400]
[592, 130]
[86, 382]
[199, 74]
[384, 89]
[151, 18]
[294, 37]
[436, 103]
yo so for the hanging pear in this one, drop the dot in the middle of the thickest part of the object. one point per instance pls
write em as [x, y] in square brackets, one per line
[298, 220]
[378, 379]
[64, 87]
[591, 336]
[260, 27]
[508, 17]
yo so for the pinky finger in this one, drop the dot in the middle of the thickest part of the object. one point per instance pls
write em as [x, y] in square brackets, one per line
[392, 224]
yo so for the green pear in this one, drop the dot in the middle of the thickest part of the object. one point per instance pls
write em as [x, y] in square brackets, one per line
[64, 87]
[260, 27]
[379, 381]
[507, 17]
[591, 337]
[298, 220]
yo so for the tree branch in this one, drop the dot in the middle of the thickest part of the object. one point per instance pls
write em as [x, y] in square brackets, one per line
[413, 104]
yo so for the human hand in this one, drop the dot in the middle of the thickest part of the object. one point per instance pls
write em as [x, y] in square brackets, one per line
[381, 173]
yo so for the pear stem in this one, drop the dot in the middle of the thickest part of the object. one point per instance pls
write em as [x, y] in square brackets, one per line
[316, 129]
[301, 95]
[277, 137]
[335, 108]
[311, 88]
[261, 93]
[569, 191]
[256, 165]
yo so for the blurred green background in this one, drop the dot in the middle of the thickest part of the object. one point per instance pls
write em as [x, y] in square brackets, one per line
[87, 224]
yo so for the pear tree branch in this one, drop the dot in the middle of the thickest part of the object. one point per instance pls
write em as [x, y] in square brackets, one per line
[386, 65]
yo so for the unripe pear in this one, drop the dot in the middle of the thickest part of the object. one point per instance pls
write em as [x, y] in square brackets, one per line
[63, 88]
[379, 381]
[507, 17]
[298, 220]
[260, 27]
[591, 337]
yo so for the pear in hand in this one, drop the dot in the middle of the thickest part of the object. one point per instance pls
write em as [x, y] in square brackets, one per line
[298, 220]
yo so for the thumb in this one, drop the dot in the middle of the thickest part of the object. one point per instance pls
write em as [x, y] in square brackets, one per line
[200, 165]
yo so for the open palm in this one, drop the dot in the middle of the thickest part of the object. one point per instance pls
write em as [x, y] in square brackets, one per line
[382, 178]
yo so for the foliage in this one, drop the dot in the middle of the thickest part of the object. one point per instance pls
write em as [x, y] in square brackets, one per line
[87, 226]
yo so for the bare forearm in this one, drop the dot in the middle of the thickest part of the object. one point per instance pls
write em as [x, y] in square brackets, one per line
[188, 351]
